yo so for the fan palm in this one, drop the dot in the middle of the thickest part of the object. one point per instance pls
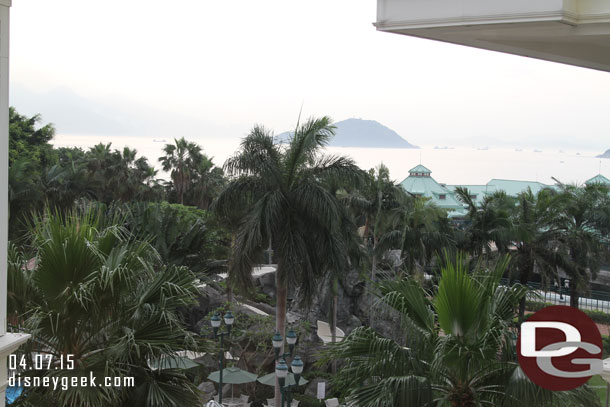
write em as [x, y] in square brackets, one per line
[181, 158]
[282, 187]
[97, 294]
[459, 350]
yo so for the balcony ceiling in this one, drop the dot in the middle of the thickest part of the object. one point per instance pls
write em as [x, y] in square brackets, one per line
[553, 35]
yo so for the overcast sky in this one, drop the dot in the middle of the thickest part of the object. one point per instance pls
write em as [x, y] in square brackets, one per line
[204, 69]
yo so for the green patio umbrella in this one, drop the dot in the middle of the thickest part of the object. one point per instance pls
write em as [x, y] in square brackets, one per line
[233, 375]
[269, 379]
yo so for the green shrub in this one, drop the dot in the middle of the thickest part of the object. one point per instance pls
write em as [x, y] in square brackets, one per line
[308, 401]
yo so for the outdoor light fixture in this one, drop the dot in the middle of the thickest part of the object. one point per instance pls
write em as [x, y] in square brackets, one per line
[297, 368]
[281, 368]
[277, 342]
[215, 321]
[291, 338]
[229, 319]
[281, 371]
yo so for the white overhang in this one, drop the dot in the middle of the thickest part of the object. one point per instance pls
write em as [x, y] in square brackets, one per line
[575, 32]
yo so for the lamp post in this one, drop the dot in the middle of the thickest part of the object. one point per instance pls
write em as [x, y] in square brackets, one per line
[281, 368]
[216, 322]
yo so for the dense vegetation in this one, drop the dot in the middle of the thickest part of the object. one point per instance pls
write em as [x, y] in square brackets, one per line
[114, 253]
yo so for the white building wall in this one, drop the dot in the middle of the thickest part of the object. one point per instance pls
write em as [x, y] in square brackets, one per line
[8, 342]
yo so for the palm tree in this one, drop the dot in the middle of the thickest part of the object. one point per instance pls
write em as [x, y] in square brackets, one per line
[282, 184]
[459, 350]
[354, 250]
[534, 236]
[582, 244]
[181, 158]
[420, 230]
[207, 182]
[94, 292]
[489, 222]
[372, 203]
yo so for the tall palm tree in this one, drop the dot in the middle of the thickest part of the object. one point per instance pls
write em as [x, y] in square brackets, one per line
[459, 350]
[94, 292]
[372, 203]
[181, 158]
[207, 182]
[420, 230]
[489, 222]
[581, 235]
[534, 236]
[282, 184]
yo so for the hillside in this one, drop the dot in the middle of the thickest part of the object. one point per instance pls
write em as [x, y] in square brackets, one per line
[605, 155]
[363, 133]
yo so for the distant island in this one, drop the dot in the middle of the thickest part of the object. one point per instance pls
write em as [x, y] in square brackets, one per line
[605, 155]
[362, 133]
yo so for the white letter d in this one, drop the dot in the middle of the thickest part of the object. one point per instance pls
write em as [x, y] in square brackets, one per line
[528, 338]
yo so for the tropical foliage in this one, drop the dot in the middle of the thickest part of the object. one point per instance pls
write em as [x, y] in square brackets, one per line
[105, 257]
[288, 207]
[95, 293]
[459, 349]
[195, 179]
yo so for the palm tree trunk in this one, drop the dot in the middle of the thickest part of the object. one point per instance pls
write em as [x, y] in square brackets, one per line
[523, 278]
[333, 326]
[232, 254]
[367, 227]
[369, 284]
[374, 259]
[280, 318]
[573, 294]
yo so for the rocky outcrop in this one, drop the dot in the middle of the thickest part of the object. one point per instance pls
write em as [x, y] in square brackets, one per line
[311, 389]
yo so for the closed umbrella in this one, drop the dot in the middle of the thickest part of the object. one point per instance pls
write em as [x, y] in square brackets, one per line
[269, 380]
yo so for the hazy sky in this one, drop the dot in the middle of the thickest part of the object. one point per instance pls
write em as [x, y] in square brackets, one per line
[209, 69]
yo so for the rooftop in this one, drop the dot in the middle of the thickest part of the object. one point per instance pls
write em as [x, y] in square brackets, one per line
[598, 179]
[419, 168]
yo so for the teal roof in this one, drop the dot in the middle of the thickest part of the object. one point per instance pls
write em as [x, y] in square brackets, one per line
[429, 188]
[598, 179]
[419, 168]
[479, 191]
[514, 187]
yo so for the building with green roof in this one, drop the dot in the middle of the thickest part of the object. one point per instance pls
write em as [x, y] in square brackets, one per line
[420, 183]
[598, 179]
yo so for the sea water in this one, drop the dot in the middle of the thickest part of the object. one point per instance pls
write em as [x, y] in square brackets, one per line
[460, 165]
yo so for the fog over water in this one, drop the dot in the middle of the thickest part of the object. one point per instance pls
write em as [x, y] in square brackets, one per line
[450, 166]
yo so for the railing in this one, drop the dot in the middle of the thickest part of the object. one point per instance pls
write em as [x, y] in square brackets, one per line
[592, 300]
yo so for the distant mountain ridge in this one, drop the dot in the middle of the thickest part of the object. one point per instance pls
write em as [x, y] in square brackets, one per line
[605, 155]
[362, 133]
